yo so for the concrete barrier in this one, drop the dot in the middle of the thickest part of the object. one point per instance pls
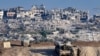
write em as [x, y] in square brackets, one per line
[6, 44]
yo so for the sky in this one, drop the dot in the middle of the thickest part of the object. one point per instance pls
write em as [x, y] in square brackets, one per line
[50, 4]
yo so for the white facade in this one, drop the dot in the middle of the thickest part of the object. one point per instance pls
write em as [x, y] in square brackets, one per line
[31, 13]
[23, 14]
[1, 14]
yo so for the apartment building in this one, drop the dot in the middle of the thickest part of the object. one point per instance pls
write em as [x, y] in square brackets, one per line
[1, 14]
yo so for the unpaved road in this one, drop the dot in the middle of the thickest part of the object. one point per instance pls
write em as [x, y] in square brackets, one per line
[29, 51]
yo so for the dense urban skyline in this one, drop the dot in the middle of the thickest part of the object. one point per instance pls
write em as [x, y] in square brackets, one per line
[79, 4]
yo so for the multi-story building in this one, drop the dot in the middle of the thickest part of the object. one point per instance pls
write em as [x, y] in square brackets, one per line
[23, 14]
[96, 17]
[84, 16]
[1, 14]
[11, 14]
[19, 8]
[36, 11]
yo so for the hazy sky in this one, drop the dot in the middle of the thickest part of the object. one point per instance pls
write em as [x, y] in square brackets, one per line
[79, 4]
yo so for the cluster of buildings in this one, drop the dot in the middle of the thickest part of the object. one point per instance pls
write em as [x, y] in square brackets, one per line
[16, 23]
[40, 11]
[19, 12]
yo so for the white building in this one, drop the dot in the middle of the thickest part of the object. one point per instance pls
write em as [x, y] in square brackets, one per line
[36, 10]
[22, 14]
[1, 14]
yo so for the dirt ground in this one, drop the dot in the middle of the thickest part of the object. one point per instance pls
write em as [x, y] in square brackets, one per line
[83, 43]
[27, 51]
[36, 49]
[76, 43]
[40, 49]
